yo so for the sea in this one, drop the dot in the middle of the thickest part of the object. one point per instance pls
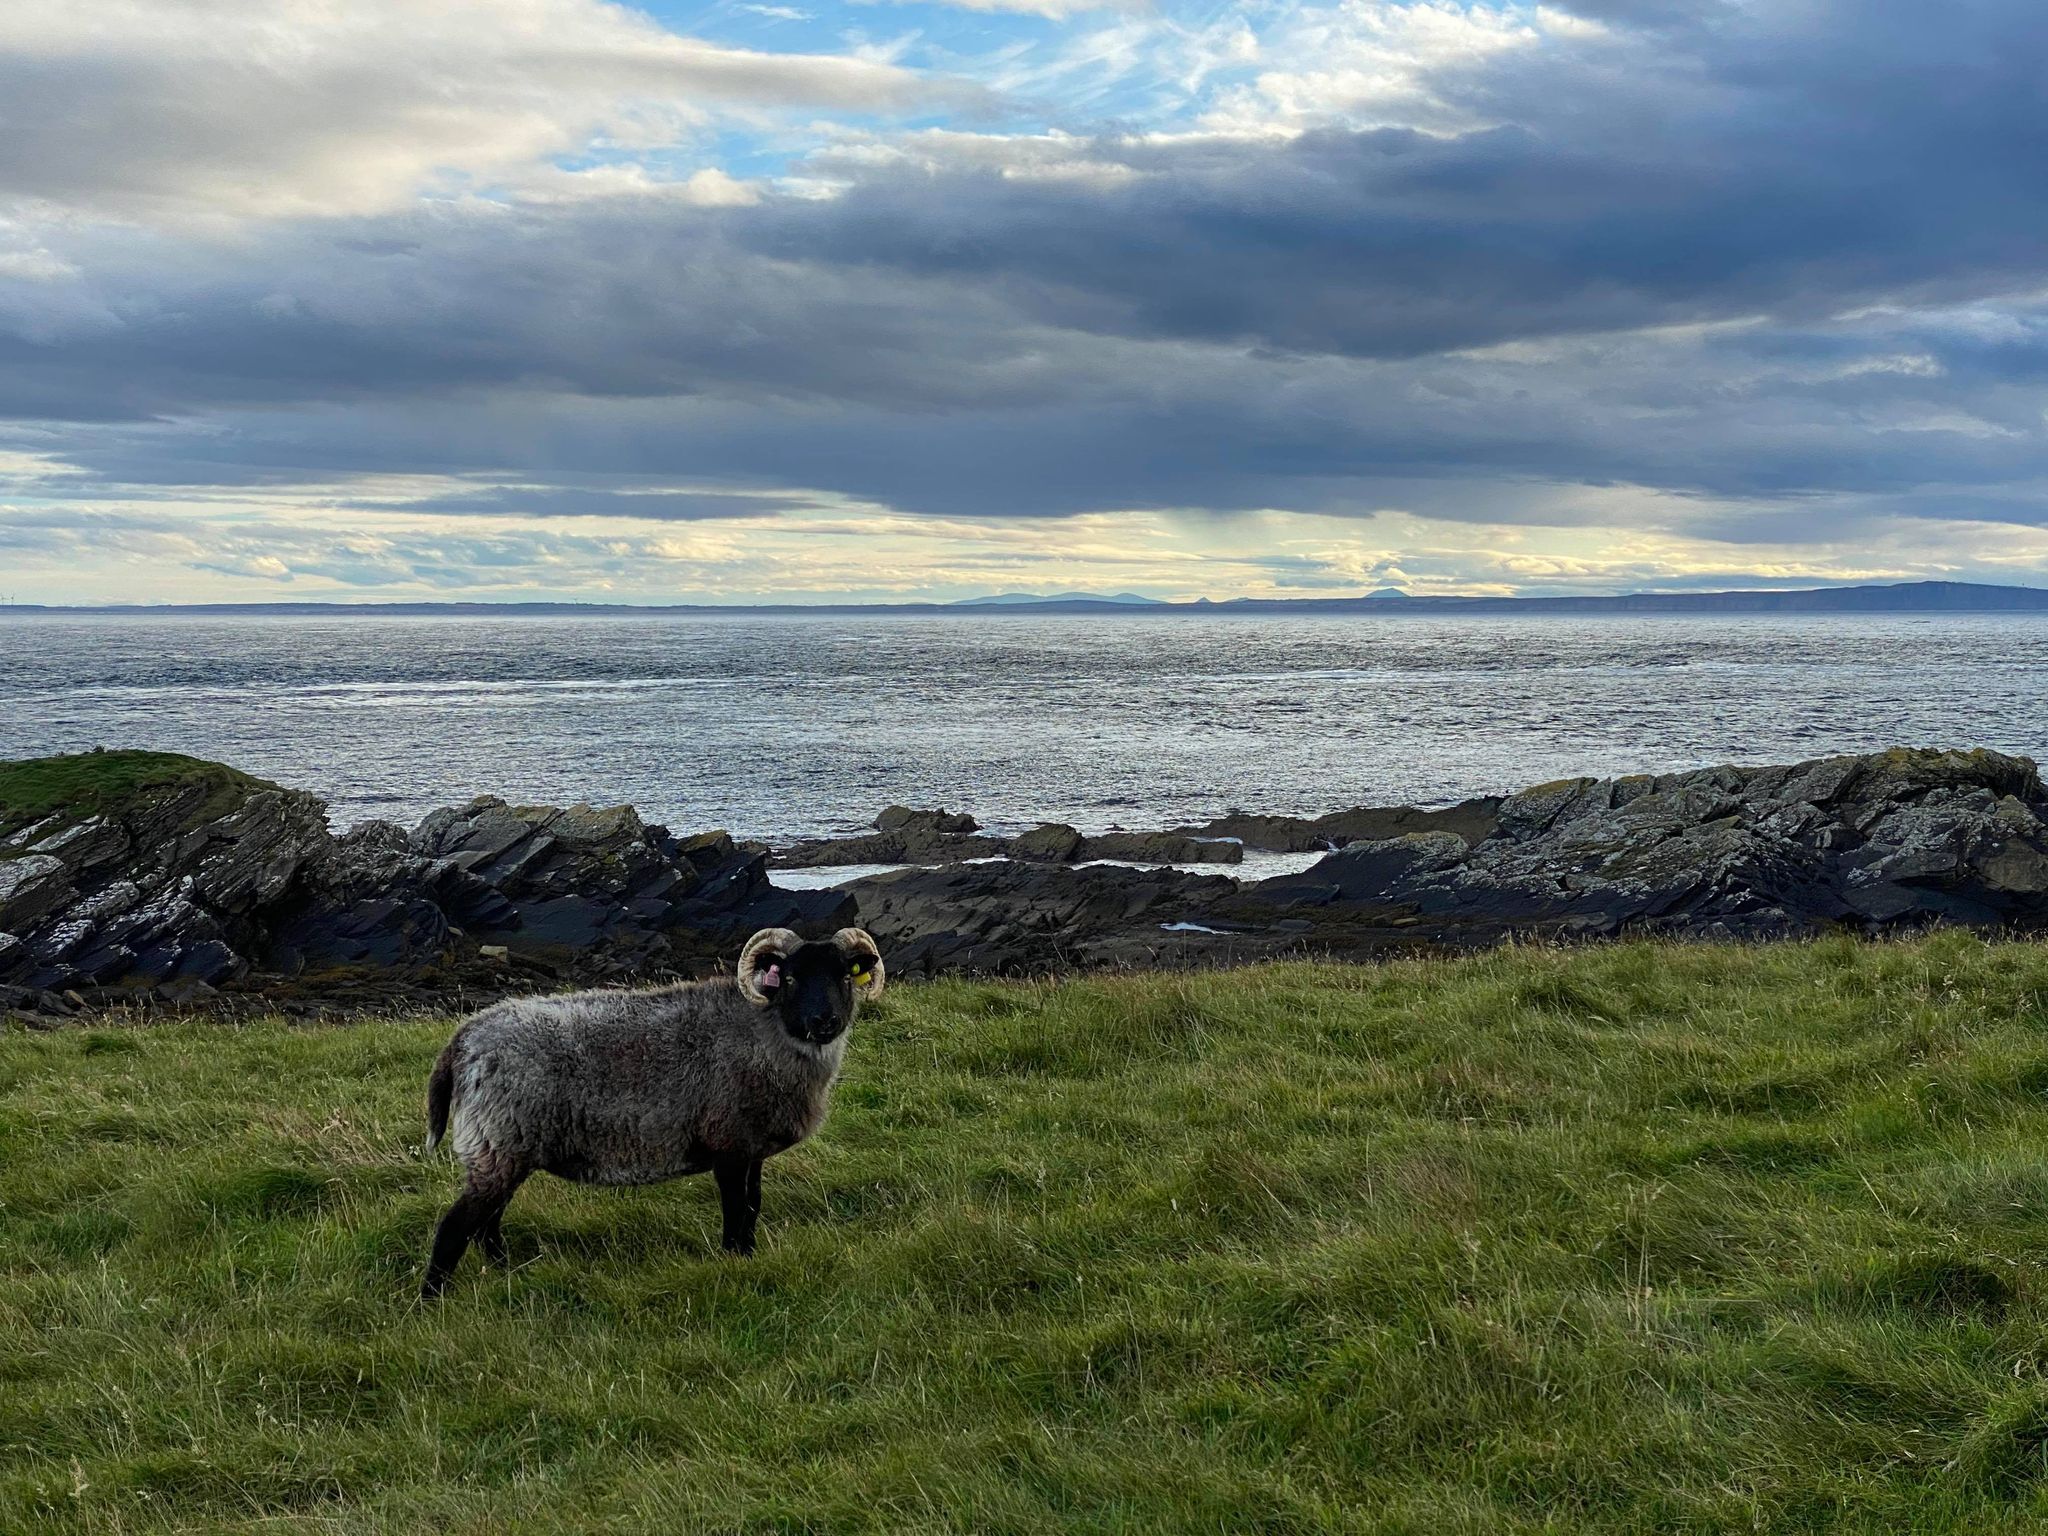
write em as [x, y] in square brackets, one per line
[800, 725]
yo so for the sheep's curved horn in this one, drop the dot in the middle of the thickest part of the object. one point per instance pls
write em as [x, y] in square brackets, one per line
[763, 951]
[859, 944]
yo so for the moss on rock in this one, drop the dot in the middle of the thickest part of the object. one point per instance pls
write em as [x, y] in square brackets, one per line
[78, 785]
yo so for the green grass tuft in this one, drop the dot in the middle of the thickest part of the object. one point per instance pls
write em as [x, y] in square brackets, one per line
[2006, 1451]
[1641, 1238]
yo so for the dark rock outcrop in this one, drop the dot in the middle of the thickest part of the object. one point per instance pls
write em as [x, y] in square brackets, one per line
[901, 836]
[134, 874]
[189, 877]
[1890, 841]
[1162, 848]
[160, 871]
[1018, 916]
[1895, 839]
[904, 836]
[1470, 819]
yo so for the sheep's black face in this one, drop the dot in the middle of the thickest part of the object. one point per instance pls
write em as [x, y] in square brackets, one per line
[813, 988]
[815, 992]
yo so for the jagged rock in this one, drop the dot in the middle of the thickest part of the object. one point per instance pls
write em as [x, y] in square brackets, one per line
[168, 875]
[939, 823]
[30, 886]
[905, 836]
[1048, 843]
[137, 868]
[863, 848]
[1896, 838]
[1162, 848]
[901, 836]
[1015, 917]
[1868, 844]
[936, 837]
[582, 891]
[1470, 819]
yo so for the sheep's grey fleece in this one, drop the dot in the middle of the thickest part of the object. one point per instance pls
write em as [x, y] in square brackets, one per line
[634, 1087]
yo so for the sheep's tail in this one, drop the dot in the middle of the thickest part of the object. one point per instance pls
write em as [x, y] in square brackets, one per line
[440, 1095]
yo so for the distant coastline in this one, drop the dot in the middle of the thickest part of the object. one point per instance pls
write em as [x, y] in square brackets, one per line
[1948, 597]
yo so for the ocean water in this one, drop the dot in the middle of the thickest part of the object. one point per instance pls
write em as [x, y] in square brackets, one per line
[781, 726]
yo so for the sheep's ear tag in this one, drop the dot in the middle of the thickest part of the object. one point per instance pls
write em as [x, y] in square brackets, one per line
[770, 977]
[861, 973]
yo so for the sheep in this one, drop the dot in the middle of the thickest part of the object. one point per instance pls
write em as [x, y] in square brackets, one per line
[642, 1087]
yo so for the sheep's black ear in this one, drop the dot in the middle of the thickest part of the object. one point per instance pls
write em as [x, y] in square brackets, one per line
[761, 962]
[863, 960]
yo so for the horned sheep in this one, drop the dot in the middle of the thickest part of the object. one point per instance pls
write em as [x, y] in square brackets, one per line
[639, 1087]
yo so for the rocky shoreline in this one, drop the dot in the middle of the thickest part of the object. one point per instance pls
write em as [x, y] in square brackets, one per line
[142, 879]
[904, 836]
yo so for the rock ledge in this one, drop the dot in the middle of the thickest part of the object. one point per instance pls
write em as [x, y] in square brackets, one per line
[130, 876]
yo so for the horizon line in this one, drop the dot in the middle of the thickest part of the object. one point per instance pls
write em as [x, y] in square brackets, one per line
[1384, 600]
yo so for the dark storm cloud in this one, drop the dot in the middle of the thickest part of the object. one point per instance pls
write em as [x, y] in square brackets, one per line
[1790, 162]
[1201, 322]
[1753, 413]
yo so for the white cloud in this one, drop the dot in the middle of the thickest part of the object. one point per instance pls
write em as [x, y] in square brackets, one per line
[33, 264]
[262, 567]
[707, 188]
[21, 468]
[1374, 63]
[154, 108]
[1052, 10]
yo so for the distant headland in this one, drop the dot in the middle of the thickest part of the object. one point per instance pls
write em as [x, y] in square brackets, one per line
[1899, 597]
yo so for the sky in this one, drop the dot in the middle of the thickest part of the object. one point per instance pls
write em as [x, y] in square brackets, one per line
[392, 300]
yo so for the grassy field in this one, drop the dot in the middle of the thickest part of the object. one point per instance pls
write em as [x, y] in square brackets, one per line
[1626, 1239]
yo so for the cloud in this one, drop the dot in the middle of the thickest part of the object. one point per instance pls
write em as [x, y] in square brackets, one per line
[1053, 10]
[933, 396]
[876, 555]
[1763, 277]
[262, 567]
[1643, 205]
[1379, 63]
[653, 502]
[263, 108]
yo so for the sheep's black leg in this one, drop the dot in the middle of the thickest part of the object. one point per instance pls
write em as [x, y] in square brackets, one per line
[739, 1201]
[491, 1237]
[492, 1233]
[474, 1215]
[451, 1240]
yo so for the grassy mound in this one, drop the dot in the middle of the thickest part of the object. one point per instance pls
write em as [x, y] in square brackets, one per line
[83, 784]
[1628, 1239]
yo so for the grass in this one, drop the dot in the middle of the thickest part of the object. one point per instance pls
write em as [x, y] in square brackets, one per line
[84, 784]
[1643, 1238]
